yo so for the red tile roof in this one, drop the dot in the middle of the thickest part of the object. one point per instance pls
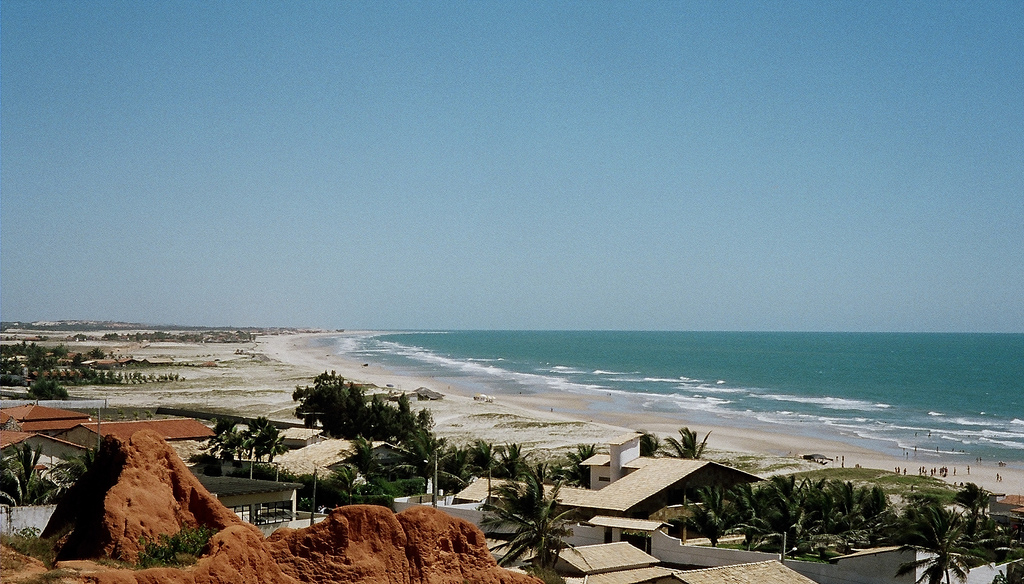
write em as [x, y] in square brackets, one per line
[11, 437]
[32, 412]
[172, 429]
[4, 416]
[52, 425]
[1012, 500]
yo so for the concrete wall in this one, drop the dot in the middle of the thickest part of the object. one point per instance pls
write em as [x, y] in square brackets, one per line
[14, 519]
[985, 574]
[469, 511]
[871, 569]
[585, 535]
[671, 550]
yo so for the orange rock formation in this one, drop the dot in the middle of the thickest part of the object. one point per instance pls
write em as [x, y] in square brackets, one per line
[140, 488]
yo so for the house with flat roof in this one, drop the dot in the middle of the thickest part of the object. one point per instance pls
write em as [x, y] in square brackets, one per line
[269, 505]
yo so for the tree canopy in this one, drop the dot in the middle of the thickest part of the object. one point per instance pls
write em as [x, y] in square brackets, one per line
[345, 411]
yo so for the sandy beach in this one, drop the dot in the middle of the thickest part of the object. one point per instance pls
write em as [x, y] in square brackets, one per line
[258, 378]
[551, 421]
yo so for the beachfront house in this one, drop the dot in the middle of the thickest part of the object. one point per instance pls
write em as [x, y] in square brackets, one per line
[625, 484]
[1007, 510]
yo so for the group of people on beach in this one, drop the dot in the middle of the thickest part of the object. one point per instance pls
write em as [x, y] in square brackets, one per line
[941, 471]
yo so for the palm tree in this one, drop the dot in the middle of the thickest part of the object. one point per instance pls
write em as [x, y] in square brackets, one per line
[574, 473]
[531, 511]
[21, 483]
[687, 445]
[264, 439]
[457, 467]
[422, 455]
[344, 478]
[650, 443]
[362, 458]
[485, 457]
[65, 474]
[714, 516]
[226, 443]
[941, 533]
[974, 499]
[511, 461]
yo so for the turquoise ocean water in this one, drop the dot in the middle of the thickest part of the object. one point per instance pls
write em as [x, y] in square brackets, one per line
[960, 393]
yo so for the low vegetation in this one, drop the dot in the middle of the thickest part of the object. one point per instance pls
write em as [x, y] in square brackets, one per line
[180, 549]
[27, 542]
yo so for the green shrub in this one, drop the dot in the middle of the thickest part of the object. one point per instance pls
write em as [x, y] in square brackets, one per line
[28, 542]
[179, 549]
[47, 389]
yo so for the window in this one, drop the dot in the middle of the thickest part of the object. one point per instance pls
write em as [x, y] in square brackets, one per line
[276, 512]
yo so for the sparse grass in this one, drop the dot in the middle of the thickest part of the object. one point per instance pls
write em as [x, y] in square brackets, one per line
[493, 416]
[49, 577]
[904, 486]
[527, 424]
[28, 542]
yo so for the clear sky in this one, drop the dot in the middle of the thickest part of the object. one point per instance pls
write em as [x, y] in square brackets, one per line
[542, 165]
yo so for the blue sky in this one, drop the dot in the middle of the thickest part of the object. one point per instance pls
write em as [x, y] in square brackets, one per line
[653, 165]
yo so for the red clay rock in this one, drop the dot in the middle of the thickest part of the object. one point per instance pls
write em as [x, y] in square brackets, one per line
[237, 555]
[448, 550]
[139, 488]
[371, 545]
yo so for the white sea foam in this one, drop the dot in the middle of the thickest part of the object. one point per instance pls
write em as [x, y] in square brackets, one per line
[565, 369]
[973, 422]
[716, 389]
[832, 403]
[1006, 443]
[935, 414]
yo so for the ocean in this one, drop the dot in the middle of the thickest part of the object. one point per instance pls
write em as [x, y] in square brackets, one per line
[952, 393]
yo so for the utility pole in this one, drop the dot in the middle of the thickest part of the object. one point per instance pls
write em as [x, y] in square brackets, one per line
[312, 507]
[434, 497]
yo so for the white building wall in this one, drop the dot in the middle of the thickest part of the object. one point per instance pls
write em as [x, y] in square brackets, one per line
[622, 454]
[671, 550]
[14, 519]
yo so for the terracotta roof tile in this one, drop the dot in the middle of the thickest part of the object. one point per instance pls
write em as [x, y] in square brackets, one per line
[32, 412]
[8, 438]
[172, 429]
[51, 425]
[1017, 500]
